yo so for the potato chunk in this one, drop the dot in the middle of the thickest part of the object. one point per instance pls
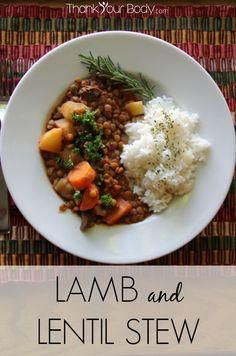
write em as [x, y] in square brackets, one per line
[64, 188]
[135, 108]
[69, 107]
[51, 141]
[66, 125]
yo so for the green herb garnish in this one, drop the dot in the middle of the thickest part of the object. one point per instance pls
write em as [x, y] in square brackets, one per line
[93, 149]
[59, 161]
[90, 145]
[105, 67]
[100, 176]
[83, 137]
[77, 195]
[66, 164]
[87, 119]
[107, 201]
[76, 150]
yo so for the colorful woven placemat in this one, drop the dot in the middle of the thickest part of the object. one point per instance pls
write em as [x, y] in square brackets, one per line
[207, 33]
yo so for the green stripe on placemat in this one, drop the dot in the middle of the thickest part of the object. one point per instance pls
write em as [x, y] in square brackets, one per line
[224, 78]
[44, 246]
[106, 23]
[203, 250]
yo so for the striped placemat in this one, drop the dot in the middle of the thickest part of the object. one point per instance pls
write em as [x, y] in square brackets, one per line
[207, 33]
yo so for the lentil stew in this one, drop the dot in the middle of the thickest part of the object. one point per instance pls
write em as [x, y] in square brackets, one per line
[81, 149]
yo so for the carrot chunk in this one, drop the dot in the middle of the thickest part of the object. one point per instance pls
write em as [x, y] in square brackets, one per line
[82, 175]
[90, 198]
[121, 209]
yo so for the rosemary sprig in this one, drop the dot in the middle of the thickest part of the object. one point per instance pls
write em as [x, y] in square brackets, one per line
[105, 67]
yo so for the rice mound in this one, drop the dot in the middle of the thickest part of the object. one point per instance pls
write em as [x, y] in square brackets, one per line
[163, 151]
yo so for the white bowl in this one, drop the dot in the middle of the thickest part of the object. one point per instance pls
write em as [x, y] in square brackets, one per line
[176, 75]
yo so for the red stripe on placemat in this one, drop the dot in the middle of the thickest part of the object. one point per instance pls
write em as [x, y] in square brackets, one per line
[38, 11]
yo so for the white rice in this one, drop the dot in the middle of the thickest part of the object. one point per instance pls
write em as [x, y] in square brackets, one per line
[163, 151]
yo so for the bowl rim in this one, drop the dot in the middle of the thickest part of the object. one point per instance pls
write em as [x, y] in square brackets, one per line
[40, 229]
